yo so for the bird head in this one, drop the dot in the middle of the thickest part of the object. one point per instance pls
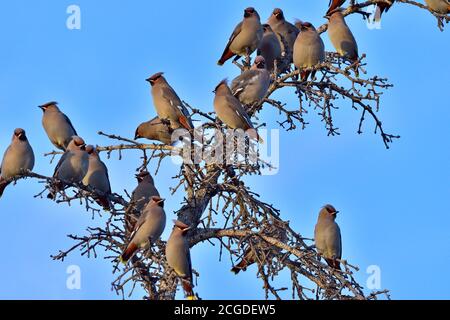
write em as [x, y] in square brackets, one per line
[329, 211]
[77, 142]
[267, 28]
[278, 14]
[305, 26]
[158, 201]
[250, 12]
[19, 133]
[90, 149]
[137, 134]
[144, 175]
[180, 226]
[260, 62]
[221, 84]
[52, 105]
[155, 78]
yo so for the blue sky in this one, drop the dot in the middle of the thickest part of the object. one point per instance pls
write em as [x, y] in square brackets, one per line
[393, 202]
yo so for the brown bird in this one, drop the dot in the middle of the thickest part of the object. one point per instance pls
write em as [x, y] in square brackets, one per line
[140, 197]
[334, 4]
[18, 158]
[251, 85]
[327, 236]
[247, 260]
[342, 37]
[383, 7]
[167, 103]
[57, 125]
[309, 49]
[439, 6]
[97, 177]
[154, 129]
[270, 48]
[148, 228]
[286, 33]
[73, 165]
[179, 257]
[245, 38]
[230, 111]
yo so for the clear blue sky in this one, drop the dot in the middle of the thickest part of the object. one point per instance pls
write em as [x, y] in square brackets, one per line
[393, 202]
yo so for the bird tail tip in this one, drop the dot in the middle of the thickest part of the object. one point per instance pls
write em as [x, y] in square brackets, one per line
[235, 270]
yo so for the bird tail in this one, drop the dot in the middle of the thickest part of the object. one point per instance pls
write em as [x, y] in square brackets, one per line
[334, 264]
[252, 133]
[185, 122]
[241, 266]
[3, 184]
[227, 54]
[128, 253]
[188, 291]
[304, 75]
[51, 195]
[381, 8]
[104, 203]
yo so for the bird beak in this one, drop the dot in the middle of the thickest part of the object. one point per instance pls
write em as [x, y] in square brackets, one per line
[42, 108]
[161, 200]
[83, 147]
[335, 213]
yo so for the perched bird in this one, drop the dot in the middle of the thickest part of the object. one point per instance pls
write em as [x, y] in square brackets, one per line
[247, 260]
[309, 49]
[57, 125]
[439, 6]
[154, 129]
[342, 37]
[167, 103]
[245, 38]
[230, 111]
[327, 236]
[73, 165]
[286, 32]
[251, 86]
[18, 158]
[140, 197]
[270, 48]
[148, 228]
[179, 257]
[97, 177]
[334, 4]
[381, 8]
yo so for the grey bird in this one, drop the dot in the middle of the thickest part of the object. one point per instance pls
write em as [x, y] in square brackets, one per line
[73, 165]
[251, 86]
[286, 31]
[327, 236]
[154, 129]
[57, 125]
[230, 111]
[148, 228]
[309, 49]
[245, 38]
[179, 257]
[270, 48]
[167, 103]
[18, 158]
[342, 37]
[439, 6]
[97, 177]
[140, 196]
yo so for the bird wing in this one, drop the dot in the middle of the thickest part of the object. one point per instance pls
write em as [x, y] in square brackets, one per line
[107, 175]
[138, 225]
[236, 106]
[170, 96]
[236, 31]
[70, 123]
[241, 82]
[61, 160]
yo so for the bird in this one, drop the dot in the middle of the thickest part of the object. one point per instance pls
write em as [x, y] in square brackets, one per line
[73, 165]
[439, 6]
[140, 197]
[179, 257]
[247, 259]
[245, 38]
[327, 236]
[342, 37]
[270, 48]
[309, 49]
[168, 105]
[230, 111]
[286, 32]
[57, 125]
[18, 158]
[251, 86]
[148, 228]
[154, 129]
[334, 4]
[381, 8]
[97, 177]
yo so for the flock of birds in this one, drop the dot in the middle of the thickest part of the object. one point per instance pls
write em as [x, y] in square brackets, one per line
[279, 44]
